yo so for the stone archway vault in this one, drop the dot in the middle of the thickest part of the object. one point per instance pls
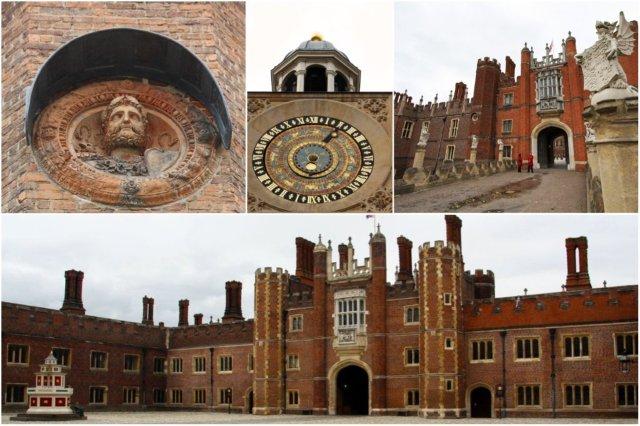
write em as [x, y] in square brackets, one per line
[333, 375]
[553, 123]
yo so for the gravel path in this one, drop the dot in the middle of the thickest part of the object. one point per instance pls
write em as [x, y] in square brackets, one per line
[548, 190]
[207, 417]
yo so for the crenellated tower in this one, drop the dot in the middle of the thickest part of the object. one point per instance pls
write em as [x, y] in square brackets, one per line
[442, 355]
[269, 335]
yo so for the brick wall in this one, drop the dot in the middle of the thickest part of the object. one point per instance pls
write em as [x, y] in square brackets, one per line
[214, 32]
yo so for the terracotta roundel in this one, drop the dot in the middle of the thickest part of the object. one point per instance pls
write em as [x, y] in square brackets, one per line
[313, 159]
[127, 143]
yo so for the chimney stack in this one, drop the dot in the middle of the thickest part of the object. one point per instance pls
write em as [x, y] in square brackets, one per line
[233, 310]
[183, 319]
[197, 319]
[304, 259]
[404, 250]
[510, 67]
[460, 91]
[343, 256]
[454, 229]
[147, 310]
[577, 279]
[73, 292]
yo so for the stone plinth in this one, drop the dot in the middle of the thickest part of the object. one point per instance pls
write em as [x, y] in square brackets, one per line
[612, 151]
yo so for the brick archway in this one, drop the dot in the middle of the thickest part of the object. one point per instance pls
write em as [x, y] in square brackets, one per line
[546, 123]
[332, 377]
[472, 398]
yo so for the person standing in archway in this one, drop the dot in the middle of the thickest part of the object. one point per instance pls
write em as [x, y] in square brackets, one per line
[519, 161]
[530, 163]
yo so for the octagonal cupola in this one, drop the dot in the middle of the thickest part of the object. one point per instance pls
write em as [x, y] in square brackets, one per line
[315, 66]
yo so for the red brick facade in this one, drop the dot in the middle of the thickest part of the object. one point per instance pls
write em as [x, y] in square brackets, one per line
[336, 338]
[499, 98]
[31, 33]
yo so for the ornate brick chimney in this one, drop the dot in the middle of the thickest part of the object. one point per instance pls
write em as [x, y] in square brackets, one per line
[197, 319]
[454, 229]
[343, 256]
[183, 319]
[404, 252]
[577, 279]
[233, 310]
[73, 292]
[304, 259]
[147, 310]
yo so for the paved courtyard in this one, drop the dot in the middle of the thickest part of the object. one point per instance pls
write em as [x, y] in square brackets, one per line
[206, 417]
[546, 190]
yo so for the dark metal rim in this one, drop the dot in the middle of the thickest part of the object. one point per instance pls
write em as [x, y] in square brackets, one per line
[67, 69]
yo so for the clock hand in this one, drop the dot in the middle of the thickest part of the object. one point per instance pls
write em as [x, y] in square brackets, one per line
[330, 136]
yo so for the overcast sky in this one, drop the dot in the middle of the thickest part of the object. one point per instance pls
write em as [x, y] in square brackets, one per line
[363, 30]
[171, 257]
[438, 43]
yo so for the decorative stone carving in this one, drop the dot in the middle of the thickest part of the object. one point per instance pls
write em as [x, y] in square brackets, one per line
[127, 143]
[374, 106]
[379, 202]
[255, 106]
[600, 64]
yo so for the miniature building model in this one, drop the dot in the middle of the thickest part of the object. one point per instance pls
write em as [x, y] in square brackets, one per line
[50, 396]
[334, 337]
[317, 143]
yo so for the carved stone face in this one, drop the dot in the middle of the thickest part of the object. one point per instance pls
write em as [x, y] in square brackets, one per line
[124, 124]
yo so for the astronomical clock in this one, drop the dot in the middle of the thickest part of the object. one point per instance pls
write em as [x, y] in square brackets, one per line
[319, 151]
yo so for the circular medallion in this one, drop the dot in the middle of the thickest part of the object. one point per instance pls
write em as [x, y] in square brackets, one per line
[127, 143]
[313, 159]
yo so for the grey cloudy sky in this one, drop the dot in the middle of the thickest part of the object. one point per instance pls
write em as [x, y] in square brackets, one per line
[438, 43]
[363, 30]
[171, 257]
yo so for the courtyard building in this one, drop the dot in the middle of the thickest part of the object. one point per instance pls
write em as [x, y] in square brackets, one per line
[334, 337]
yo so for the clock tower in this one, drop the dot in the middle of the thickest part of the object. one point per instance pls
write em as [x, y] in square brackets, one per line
[316, 143]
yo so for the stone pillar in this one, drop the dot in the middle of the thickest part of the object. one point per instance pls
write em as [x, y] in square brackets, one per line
[612, 151]
[331, 78]
[300, 80]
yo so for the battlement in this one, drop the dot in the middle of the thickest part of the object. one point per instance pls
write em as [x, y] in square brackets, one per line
[51, 323]
[279, 273]
[211, 334]
[562, 308]
[488, 62]
[480, 276]
[439, 248]
[548, 60]
[405, 106]
[357, 270]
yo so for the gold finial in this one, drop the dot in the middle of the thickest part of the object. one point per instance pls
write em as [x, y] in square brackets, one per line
[316, 37]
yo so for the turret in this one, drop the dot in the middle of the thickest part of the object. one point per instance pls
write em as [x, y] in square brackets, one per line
[73, 292]
[377, 318]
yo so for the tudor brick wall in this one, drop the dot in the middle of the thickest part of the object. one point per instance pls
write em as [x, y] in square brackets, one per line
[32, 31]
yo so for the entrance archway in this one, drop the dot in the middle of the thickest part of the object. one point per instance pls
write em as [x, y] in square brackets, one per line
[352, 391]
[552, 145]
[480, 401]
[250, 402]
[315, 79]
[553, 150]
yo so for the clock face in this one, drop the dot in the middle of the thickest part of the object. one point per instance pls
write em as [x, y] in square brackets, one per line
[313, 159]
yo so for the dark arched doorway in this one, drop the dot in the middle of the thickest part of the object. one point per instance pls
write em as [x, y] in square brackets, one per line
[315, 79]
[553, 148]
[480, 400]
[352, 391]
[250, 402]
[341, 84]
[290, 83]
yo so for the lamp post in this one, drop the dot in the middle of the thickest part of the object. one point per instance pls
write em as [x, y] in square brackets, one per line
[499, 394]
[227, 396]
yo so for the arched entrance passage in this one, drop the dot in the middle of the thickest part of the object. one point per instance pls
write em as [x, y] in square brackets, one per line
[553, 150]
[480, 401]
[315, 79]
[550, 139]
[352, 391]
[249, 401]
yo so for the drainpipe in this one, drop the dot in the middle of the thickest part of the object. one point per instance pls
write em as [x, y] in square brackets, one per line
[212, 366]
[143, 376]
[285, 318]
[503, 413]
[552, 336]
